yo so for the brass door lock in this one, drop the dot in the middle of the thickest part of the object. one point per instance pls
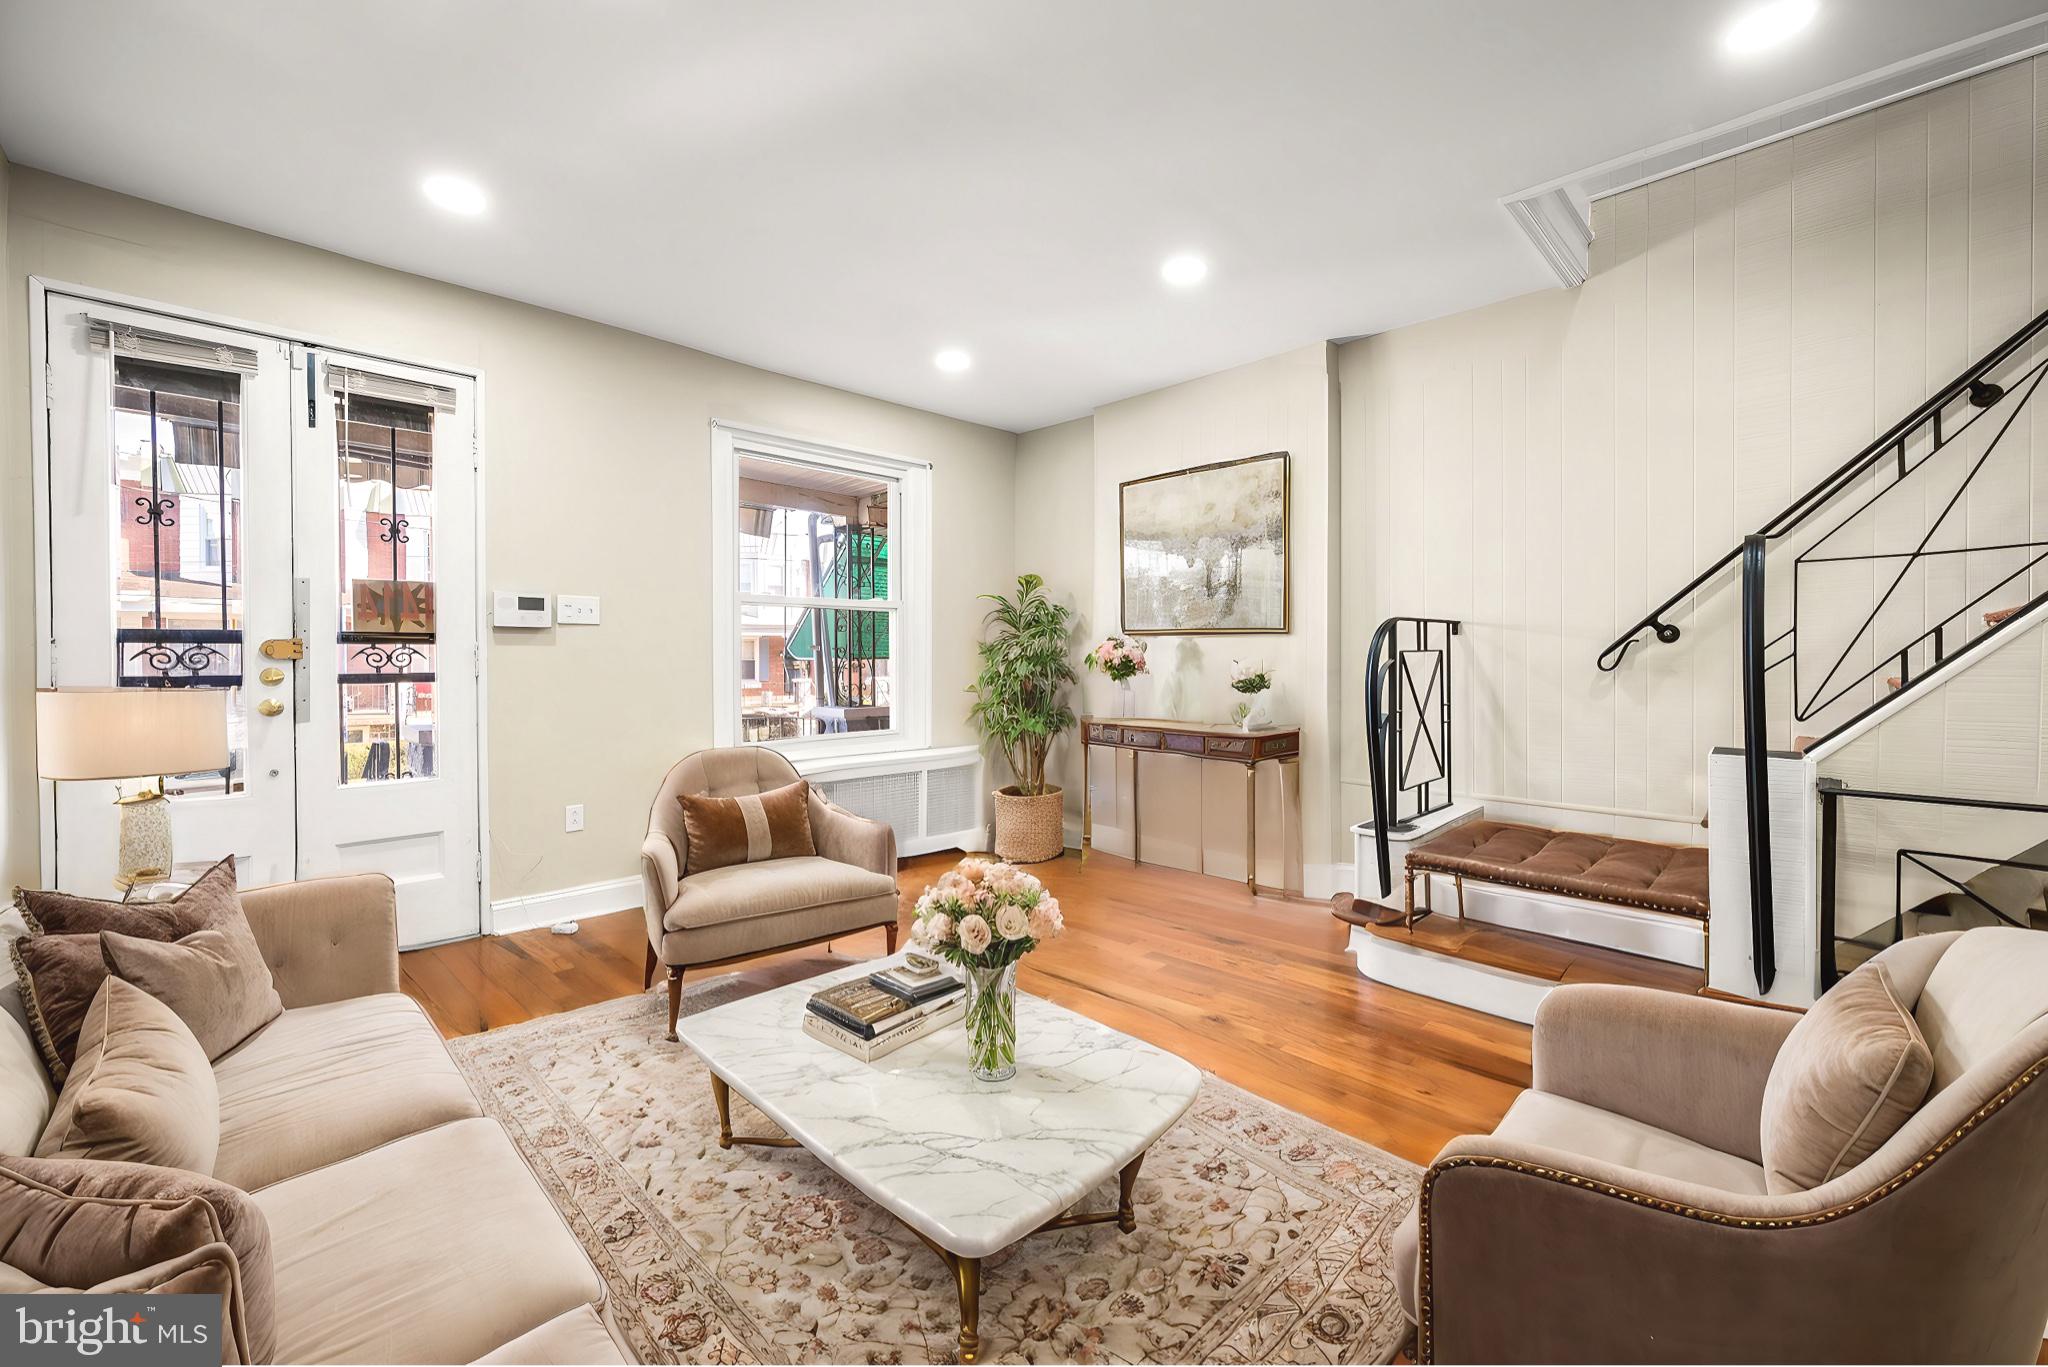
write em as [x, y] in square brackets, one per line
[272, 676]
[285, 648]
[270, 707]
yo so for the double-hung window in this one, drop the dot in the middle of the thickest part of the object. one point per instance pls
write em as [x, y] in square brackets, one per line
[823, 593]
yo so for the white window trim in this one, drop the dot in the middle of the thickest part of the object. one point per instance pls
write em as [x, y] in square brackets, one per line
[910, 577]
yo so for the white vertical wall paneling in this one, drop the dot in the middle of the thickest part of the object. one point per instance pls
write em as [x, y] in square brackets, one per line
[1588, 553]
[1708, 645]
[2001, 288]
[1478, 684]
[1629, 591]
[1833, 304]
[1765, 480]
[1544, 585]
[1670, 519]
[1516, 533]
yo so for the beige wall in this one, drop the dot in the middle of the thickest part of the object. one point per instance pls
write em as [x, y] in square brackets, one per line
[597, 447]
[1549, 467]
[1055, 520]
[1283, 403]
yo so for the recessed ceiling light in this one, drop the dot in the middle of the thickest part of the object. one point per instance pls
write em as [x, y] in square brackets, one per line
[455, 194]
[1763, 27]
[952, 360]
[1183, 270]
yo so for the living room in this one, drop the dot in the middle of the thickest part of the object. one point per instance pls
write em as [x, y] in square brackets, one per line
[1054, 683]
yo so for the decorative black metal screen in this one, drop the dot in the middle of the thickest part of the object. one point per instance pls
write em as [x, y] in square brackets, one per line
[1407, 726]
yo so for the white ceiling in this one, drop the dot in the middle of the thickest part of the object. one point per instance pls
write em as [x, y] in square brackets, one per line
[836, 190]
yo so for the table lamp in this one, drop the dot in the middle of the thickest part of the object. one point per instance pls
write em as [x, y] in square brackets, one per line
[123, 733]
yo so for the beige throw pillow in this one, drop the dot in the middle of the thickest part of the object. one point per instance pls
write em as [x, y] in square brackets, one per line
[1852, 1071]
[140, 1091]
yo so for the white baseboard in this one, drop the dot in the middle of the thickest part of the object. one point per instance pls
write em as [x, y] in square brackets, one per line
[1324, 881]
[564, 904]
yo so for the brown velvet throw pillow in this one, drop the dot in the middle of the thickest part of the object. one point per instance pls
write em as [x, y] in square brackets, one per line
[77, 1222]
[140, 1091]
[59, 962]
[1848, 1076]
[745, 830]
[215, 978]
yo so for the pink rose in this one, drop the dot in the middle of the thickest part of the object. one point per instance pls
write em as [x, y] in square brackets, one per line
[1045, 919]
[941, 928]
[974, 934]
[1012, 923]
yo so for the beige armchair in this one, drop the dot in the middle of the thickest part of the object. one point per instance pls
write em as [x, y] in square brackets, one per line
[1619, 1212]
[722, 915]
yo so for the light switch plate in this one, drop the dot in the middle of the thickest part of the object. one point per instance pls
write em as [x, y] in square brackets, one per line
[576, 610]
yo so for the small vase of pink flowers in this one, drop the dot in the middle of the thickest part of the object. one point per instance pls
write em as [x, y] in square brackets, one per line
[985, 917]
[1123, 661]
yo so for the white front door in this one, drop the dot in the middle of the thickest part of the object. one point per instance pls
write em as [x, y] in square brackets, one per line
[385, 547]
[196, 507]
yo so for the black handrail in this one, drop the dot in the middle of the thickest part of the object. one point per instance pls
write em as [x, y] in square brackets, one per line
[1756, 772]
[1892, 444]
[1382, 723]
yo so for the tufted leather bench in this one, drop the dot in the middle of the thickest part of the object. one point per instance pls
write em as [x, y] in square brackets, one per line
[1627, 873]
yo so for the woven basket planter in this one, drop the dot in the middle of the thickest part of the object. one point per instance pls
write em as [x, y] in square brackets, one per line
[1030, 830]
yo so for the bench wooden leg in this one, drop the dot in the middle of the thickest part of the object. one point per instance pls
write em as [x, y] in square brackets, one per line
[1459, 878]
[1408, 898]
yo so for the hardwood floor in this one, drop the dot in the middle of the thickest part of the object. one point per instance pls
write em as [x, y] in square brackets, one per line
[1257, 990]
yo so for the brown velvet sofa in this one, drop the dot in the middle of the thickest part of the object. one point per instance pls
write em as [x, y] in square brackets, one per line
[1619, 1211]
[718, 916]
[404, 1226]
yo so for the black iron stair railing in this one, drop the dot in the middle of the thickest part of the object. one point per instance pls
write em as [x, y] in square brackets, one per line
[1942, 420]
[1407, 678]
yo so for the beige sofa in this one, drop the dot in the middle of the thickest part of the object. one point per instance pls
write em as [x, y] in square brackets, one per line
[1620, 1211]
[405, 1228]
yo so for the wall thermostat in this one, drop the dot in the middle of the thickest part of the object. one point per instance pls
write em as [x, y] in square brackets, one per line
[520, 609]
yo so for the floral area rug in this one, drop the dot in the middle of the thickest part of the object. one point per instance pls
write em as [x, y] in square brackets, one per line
[1262, 1235]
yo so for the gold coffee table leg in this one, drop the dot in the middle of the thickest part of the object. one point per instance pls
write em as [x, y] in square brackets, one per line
[1126, 1212]
[722, 1094]
[968, 1272]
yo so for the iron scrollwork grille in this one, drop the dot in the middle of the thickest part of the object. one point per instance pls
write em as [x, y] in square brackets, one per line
[178, 657]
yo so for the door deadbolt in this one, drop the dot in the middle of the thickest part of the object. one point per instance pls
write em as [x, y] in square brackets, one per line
[270, 707]
[284, 648]
[272, 676]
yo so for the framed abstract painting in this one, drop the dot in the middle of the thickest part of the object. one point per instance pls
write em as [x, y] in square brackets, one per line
[1204, 550]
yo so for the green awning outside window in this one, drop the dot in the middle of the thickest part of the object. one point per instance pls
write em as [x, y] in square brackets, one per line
[857, 570]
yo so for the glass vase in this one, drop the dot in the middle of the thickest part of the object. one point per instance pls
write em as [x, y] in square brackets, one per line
[1126, 699]
[992, 1022]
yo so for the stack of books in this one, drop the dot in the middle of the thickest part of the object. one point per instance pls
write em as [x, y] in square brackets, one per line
[872, 1016]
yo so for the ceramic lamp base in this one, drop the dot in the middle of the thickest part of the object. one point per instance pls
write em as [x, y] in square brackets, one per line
[145, 840]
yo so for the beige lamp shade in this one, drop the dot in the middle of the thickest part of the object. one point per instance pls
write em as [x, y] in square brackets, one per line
[88, 733]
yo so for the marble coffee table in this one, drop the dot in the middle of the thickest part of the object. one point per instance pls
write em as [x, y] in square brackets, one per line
[970, 1167]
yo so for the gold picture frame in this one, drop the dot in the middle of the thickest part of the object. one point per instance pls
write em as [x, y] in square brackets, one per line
[1162, 593]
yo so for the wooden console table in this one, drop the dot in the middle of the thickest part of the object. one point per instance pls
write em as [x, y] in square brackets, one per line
[1225, 745]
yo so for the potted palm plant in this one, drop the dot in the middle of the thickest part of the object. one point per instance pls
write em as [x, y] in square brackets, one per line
[1020, 703]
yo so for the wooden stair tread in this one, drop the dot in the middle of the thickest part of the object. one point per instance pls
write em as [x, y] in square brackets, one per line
[1538, 956]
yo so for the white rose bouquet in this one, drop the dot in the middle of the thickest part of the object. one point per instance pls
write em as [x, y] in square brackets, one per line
[985, 916]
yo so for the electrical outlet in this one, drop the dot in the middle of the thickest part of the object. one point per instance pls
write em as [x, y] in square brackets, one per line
[572, 817]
